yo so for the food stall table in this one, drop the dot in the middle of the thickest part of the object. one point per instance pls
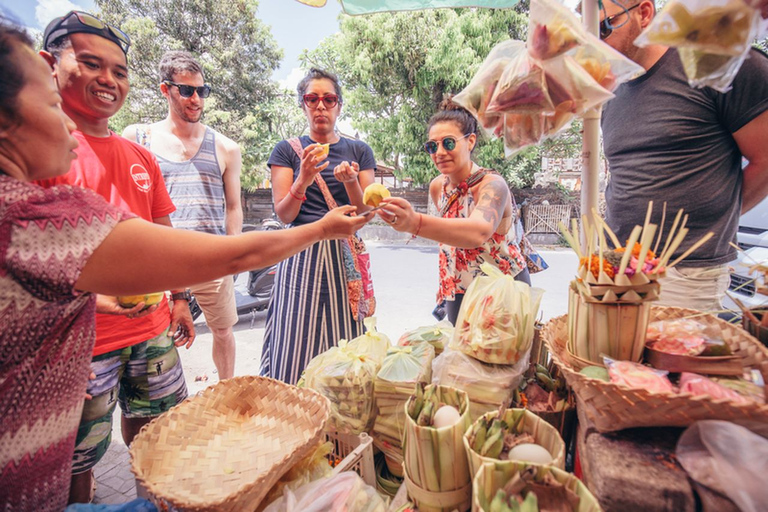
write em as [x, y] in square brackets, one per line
[636, 469]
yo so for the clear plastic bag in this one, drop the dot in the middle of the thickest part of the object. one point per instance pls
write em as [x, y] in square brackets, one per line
[608, 67]
[477, 95]
[437, 335]
[344, 491]
[496, 319]
[553, 29]
[638, 376]
[699, 385]
[713, 37]
[346, 378]
[372, 343]
[486, 384]
[728, 458]
[522, 87]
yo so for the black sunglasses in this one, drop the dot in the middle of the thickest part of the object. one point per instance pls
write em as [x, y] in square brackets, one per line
[88, 20]
[186, 91]
[312, 100]
[449, 143]
[607, 27]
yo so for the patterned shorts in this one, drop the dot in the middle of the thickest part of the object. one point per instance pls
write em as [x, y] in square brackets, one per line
[147, 379]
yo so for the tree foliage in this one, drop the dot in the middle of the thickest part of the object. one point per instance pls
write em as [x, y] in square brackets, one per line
[238, 54]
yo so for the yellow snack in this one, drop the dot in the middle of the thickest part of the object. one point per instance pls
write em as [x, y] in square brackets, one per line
[326, 149]
[374, 193]
[149, 299]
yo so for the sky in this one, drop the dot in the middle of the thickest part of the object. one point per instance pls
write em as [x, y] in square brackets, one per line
[294, 26]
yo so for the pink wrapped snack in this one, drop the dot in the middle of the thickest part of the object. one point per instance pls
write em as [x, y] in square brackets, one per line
[696, 384]
[635, 375]
[682, 337]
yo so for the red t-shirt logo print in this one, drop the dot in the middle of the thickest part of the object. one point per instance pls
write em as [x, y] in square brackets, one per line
[141, 177]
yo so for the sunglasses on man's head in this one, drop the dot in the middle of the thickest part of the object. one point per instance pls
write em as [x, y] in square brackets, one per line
[607, 27]
[449, 143]
[312, 100]
[89, 21]
[186, 91]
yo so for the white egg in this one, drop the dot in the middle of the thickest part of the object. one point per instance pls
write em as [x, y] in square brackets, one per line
[530, 452]
[445, 417]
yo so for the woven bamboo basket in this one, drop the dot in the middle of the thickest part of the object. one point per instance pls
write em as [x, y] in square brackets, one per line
[436, 470]
[613, 407]
[545, 435]
[492, 476]
[224, 448]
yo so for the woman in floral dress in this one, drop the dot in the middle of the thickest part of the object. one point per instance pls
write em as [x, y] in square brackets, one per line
[477, 218]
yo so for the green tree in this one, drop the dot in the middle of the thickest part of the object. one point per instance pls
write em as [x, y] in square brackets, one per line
[396, 68]
[238, 54]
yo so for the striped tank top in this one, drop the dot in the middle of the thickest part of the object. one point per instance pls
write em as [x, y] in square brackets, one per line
[196, 187]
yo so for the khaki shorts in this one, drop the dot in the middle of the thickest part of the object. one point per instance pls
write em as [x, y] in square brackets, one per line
[699, 288]
[217, 300]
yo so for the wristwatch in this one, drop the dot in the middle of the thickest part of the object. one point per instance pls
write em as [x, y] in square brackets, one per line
[185, 295]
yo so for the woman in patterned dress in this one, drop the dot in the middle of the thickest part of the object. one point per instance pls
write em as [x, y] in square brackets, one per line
[309, 311]
[477, 219]
[56, 246]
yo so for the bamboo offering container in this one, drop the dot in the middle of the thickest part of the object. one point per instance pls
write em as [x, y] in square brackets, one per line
[492, 476]
[616, 329]
[545, 435]
[436, 470]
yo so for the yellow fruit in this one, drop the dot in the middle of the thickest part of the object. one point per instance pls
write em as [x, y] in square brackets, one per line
[149, 299]
[326, 149]
[374, 193]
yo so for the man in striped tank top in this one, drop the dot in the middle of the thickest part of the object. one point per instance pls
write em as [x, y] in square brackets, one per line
[201, 169]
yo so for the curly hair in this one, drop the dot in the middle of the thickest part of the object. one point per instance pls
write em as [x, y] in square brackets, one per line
[317, 74]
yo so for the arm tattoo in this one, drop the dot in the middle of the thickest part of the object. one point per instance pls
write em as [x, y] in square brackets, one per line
[492, 202]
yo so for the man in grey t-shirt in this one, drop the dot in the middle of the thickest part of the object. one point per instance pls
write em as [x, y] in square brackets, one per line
[668, 142]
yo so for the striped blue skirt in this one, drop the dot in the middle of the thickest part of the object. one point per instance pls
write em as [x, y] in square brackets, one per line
[308, 313]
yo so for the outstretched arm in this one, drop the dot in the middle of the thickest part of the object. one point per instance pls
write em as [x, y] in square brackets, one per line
[138, 256]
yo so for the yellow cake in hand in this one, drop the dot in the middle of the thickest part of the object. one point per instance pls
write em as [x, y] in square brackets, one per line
[149, 299]
[374, 193]
[326, 150]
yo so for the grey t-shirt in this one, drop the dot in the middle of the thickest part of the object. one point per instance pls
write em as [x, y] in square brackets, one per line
[666, 141]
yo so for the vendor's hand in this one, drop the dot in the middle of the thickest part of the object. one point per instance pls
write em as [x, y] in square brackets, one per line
[346, 172]
[182, 327]
[108, 305]
[342, 222]
[310, 158]
[398, 213]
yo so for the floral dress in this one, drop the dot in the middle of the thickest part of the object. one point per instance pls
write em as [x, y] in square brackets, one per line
[458, 267]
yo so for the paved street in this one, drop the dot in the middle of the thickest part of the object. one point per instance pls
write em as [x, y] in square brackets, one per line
[405, 281]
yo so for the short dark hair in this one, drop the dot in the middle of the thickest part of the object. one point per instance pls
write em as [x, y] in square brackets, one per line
[451, 112]
[317, 74]
[59, 45]
[177, 61]
[12, 78]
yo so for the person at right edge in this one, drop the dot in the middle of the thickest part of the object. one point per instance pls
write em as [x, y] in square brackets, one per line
[309, 311]
[668, 142]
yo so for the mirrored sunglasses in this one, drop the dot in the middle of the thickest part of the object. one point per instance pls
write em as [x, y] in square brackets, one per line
[63, 28]
[449, 143]
[312, 100]
[186, 91]
[607, 27]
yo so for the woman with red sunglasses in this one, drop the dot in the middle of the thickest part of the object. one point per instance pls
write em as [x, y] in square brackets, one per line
[310, 311]
[477, 216]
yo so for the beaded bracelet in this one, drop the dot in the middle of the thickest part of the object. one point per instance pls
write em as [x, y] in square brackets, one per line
[418, 230]
[302, 199]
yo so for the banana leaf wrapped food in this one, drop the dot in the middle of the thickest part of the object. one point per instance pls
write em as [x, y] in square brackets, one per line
[436, 468]
[493, 438]
[403, 370]
[345, 376]
[487, 385]
[496, 319]
[522, 487]
[438, 335]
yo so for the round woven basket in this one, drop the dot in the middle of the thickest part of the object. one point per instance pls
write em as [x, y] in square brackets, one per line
[613, 407]
[224, 448]
[545, 435]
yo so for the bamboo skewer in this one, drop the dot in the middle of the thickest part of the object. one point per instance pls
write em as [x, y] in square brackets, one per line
[670, 237]
[695, 246]
[661, 228]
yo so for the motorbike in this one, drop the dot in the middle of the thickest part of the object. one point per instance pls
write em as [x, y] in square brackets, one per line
[260, 281]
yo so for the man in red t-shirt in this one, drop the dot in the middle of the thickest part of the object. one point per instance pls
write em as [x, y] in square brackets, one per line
[135, 359]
